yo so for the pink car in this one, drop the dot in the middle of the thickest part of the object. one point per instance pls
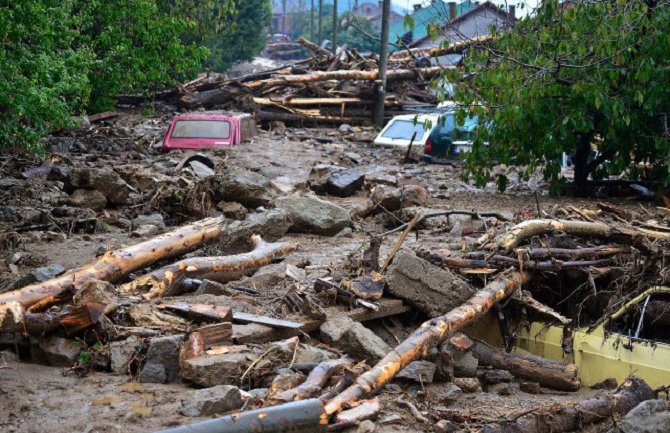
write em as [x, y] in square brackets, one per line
[208, 131]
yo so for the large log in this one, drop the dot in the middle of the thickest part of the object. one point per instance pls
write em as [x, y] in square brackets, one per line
[552, 374]
[569, 417]
[454, 47]
[429, 334]
[392, 75]
[316, 380]
[167, 280]
[117, 264]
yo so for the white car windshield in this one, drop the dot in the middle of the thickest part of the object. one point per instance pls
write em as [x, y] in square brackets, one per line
[201, 129]
[404, 129]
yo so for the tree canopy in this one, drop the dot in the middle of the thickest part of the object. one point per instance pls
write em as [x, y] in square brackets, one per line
[566, 80]
[62, 58]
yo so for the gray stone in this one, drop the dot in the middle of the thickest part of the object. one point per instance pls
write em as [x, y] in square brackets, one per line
[271, 225]
[122, 353]
[449, 393]
[418, 371]
[354, 339]
[345, 183]
[346, 232]
[497, 376]
[463, 363]
[313, 215]
[154, 219]
[88, 198]
[258, 393]
[346, 129]
[381, 179]
[8, 356]
[233, 210]
[244, 186]
[500, 388]
[428, 288]
[319, 175]
[200, 169]
[48, 272]
[9, 182]
[386, 198]
[446, 426]
[162, 364]
[468, 384]
[211, 401]
[145, 231]
[107, 182]
[651, 416]
[530, 387]
[212, 370]
[58, 351]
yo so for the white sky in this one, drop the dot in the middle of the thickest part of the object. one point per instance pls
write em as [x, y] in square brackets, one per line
[529, 5]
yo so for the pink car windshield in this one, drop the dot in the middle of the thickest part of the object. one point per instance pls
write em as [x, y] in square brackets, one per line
[201, 129]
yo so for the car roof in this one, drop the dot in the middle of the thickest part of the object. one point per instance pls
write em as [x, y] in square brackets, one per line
[208, 116]
[418, 117]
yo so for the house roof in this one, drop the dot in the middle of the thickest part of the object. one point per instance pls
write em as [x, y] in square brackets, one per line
[462, 17]
[435, 13]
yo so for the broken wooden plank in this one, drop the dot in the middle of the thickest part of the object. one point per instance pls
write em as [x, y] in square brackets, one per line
[265, 320]
[216, 334]
[201, 311]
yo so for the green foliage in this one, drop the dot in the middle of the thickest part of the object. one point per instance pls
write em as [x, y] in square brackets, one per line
[43, 76]
[595, 73]
[355, 31]
[245, 39]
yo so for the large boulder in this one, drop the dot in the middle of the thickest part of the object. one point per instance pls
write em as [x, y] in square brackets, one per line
[105, 181]
[354, 339]
[428, 288]
[312, 215]
[335, 180]
[88, 198]
[246, 187]
[385, 198]
[162, 364]
[271, 225]
[211, 401]
[651, 416]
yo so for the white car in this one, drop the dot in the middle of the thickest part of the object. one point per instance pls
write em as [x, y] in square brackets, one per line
[401, 129]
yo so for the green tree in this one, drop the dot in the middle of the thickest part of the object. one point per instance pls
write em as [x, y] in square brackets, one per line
[560, 81]
[43, 76]
[245, 39]
[355, 31]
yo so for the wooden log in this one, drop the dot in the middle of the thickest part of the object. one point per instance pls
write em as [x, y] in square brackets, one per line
[214, 313]
[346, 379]
[315, 381]
[72, 322]
[552, 374]
[368, 409]
[314, 101]
[314, 48]
[117, 264]
[215, 334]
[569, 417]
[574, 253]
[527, 300]
[392, 75]
[265, 320]
[302, 118]
[454, 47]
[166, 281]
[429, 334]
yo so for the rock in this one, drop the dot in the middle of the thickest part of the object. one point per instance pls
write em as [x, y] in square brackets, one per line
[122, 353]
[346, 129]
[162, 364]
[8, 356]
[380, 179]
[609, 383]
[313, 215]
[145, 231]
[651, 416]
[233, 210]
[354, 339]
[55, 236]
[346, 232]
[95, 291]
[258, 393]
[107, 182]
[155, 219]
[59, 352]
[48, 272]
[245, 187]
[345, 183]
[271, 225]
[418, 371]
[386, 198]
[446, 426]
[212, 370]
[319, 176]
[497, 376]
[366, 426]
[200, 169]
[500, 388]
[211, 401]
[88, 198]
[449, 393]
[428, 288]
[9, 182]
[468, 384]
[530, 387]
[463, 363]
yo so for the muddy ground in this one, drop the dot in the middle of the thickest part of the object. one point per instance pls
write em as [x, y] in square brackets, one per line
[43, 398]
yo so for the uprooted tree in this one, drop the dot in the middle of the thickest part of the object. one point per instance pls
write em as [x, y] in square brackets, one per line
[570, 80]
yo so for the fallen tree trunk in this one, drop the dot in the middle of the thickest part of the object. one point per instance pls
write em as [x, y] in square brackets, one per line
[315, 381]
[454, 47]
[166, 281]
[575, 253]
[430, 334]
[569, 417]
[117, 264]
[551, 374]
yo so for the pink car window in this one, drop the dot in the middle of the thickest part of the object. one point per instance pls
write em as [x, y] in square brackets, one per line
[201, 129]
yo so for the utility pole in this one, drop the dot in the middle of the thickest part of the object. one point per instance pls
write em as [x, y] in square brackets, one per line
[283, 16]
[334, 26]
[378, 116]
[320, 18]
[311, 20]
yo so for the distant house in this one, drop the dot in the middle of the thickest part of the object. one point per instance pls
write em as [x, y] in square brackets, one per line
[456, 21]
[372, 11]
